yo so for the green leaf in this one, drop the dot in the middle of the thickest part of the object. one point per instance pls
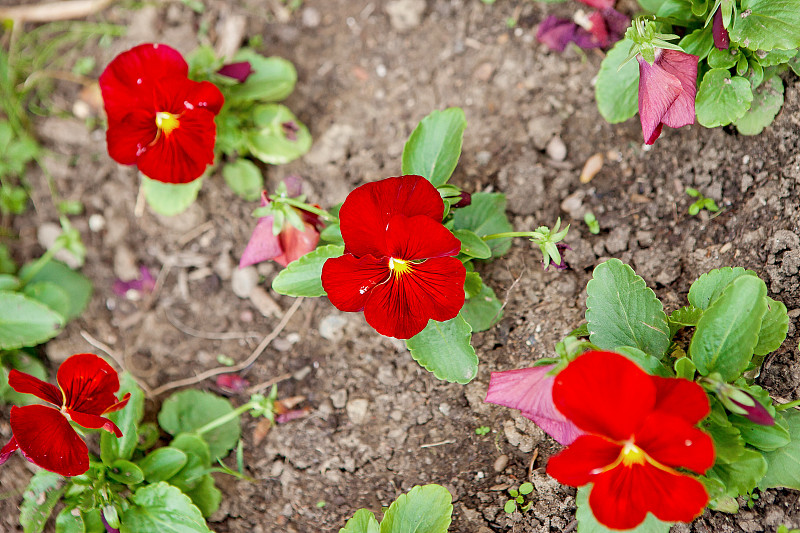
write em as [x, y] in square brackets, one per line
[24, 363]
[272, 80]
[50, 295]
[70, 520]
[723, 58]
[483, 310]
[7, 264]
[676, 11]
[206, 496]
[651, 5]
[162, 508]
[444, 348]
[43, 492]
[742, 475]
[362, 522]
[794, 64]
[765, 438]
[472, 285]
[185, 411]
[775, 57]
[125, 472]
[244, 178]
[767, 24]
[169, 199]
[193, 473]
[783, 464]
[649, 364]
[699, 43]
[76, 285]
[424, 509]
[722, 99]
[162, 464]
[9, 282]
[767, 101]
[617, 90]
[622, 311]
[687, 315]
[728, 442]
[711, 284]
[684, 368]
[26, 322]
[194, 445]
[486, 215]
[302, 277]
[774, 326]
[472, 245]
[727, 333]
[269, 140]
[510, 506]
[127, 420]
[433, 149]
[587, 523]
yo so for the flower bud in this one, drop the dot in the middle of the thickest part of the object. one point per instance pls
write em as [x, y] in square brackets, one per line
[238, 71]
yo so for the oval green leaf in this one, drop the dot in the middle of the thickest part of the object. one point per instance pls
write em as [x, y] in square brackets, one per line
[444, 348]
[164, 509]
[26, 322]
[472, 245]
[302, 277]
[244, 178]
[767, 24]
[162, 464]
[169, 199]
[425, 509]
[617, 90]
[722, 99]
[433, 149]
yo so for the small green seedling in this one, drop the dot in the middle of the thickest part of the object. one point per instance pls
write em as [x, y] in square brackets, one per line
[701, 203]
[518, 498]
[482, 430]
[784, 529]
[591, 221]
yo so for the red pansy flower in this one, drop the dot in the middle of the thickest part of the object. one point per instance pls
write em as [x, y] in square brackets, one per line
[159, 119]
[86, 390]
[531, 391]
[667, 89]
[640, 430]
[397, 265]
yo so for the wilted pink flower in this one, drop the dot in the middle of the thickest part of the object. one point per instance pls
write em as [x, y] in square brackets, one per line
[239, 71]
[531, 391]
[136, 288]
[667, 89]
[232, 383]
[721, 38]
[599, 29]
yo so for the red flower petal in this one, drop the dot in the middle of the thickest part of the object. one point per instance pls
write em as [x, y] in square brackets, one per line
[599, 4]
[401, 307]
[556, 32]
[348, 280]
[46, 439]
[89, 383]
[599, 28]
[721, 38]
[673, 442]
[419, 237]
[182, 155]
[296, 243]
[684, 67]
[682, 398]
[531, 391]
[127, 81]
[8, 450]
[178, 94]
[658, 90]
[580, 463]
[604, 393]
[27, 384]
[127, 139]
[622, 497]
[119, 405]
[368, 209]
[94, 422]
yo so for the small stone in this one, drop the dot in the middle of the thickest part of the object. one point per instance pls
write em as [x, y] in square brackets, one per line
[223, 266]
[541, 130]
[339, 398]
[301, 374]
[243, 281]
[483, 157]
[573, 204]
[484, 72]
[444, 409]
[500, 463]
[617, 241]
[311, 17]
[358, 410]
[331, 327]
[97, 222]
[405, 14]
[556, 149]
[591, 167]
[125, 263]
[264, 303]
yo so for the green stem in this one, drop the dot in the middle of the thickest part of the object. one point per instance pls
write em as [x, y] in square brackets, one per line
[785, 406]
[224, 419]
[306, 207]
[508, 234]
[42, 261]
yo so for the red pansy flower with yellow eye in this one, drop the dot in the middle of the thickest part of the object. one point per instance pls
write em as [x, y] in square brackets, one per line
[87, 388]
[159, 119]
[640, 429]
[398, 265]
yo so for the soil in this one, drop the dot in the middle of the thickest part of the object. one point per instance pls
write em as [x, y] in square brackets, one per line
[378, 423]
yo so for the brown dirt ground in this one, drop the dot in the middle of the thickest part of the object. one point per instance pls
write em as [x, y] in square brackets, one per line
[363, 86]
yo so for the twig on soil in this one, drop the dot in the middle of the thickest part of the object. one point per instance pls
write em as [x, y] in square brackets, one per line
[270, 382]
[437, 444]
[513, 284]
[195, 232]
[48, 12]
[210, 335]
[530, 465]
[115, 356]
[237, 367]
[571, 527]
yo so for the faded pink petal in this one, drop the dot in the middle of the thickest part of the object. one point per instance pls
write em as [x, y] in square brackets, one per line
[721, 38]
[530, 390]
[667, 90]
[617, 24]
[294, 185]
[144, 284]
[684, 67]
[295, 243]
[556, 32]
[294, 414]
[599, 4]
[263, 244]
[232, 383]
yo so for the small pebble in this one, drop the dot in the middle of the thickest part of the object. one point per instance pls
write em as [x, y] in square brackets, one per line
[243, 281]
[556, 149]
[264, 303]
[591, 167]
[358, 410]
[331, 327]
[339, 398]
[97, 222]
[311, 17]
[500, 463]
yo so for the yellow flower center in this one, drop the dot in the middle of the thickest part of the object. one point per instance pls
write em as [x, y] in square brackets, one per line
[166, 122]
[632, 455]
[399, 266]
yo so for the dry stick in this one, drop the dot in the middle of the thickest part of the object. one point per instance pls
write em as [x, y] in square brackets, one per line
[115, 356]
[235, 368]
[214, 336]
[270, 382]
[48, 12]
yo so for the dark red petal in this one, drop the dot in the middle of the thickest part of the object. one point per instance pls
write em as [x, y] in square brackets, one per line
[8, 450]
[682, 398]
[368, 209]
[580, 463]
[673, 442]
[348, 281]
[658, 90]
[89, 383]
[94, 422]
[127, 82]
[239, 71]
[295, 243]
[598, 28]
[604, 393]
[622, 497]
[27, 384]
[721, 38]
[556, 32]
[119, 405]
[128, 138]
[616, 23]
[402, 306]
[418, 238]
[263, 244]
[182, 155]
[46, 439]
[684, 67]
